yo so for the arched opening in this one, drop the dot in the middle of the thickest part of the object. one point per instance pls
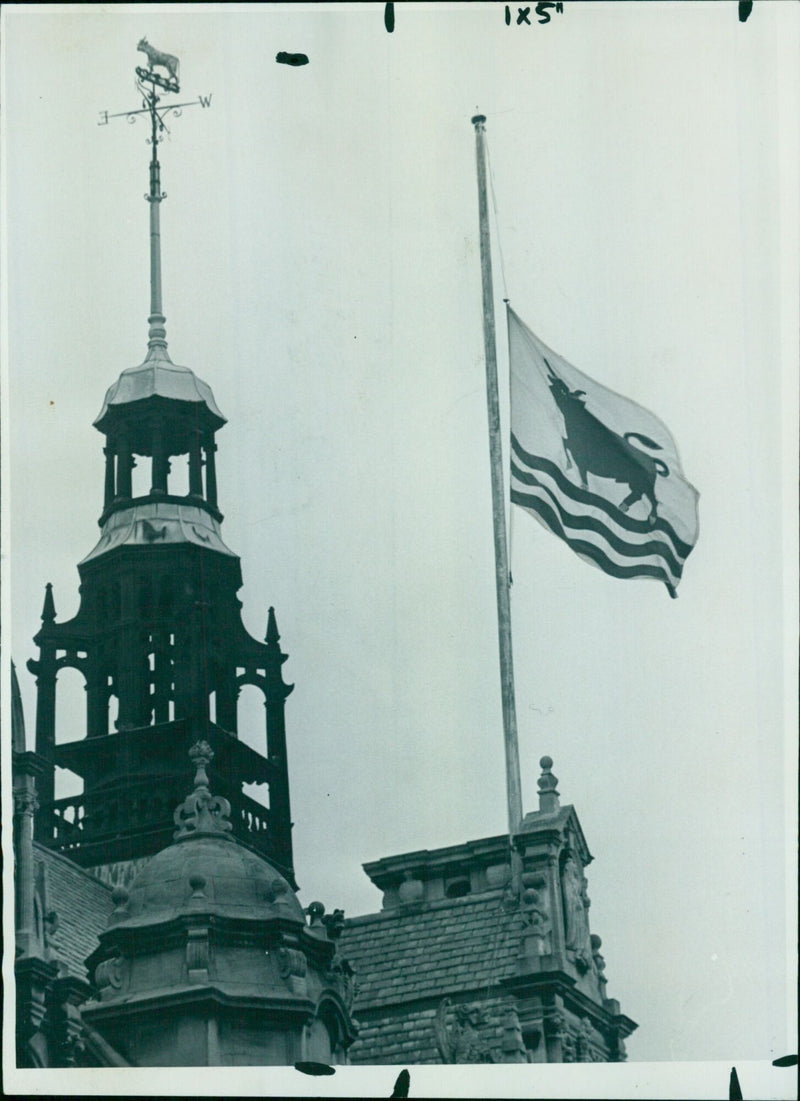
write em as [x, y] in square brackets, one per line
[70, 705]
[325, 1038]
[458, 887]
[251, 726]
[251, 717]
[141, 476]
[113, 711]
[178, 478]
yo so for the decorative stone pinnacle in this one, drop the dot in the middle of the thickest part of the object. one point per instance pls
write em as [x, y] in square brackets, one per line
[272, 637]
[201, 812]
[548, 793]
[49, 608]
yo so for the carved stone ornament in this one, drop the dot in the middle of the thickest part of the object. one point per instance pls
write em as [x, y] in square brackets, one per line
[291, 961]
[293, 968]
[25, 802]
[342, 976]
[460, 1042]
[202, 812]
[108, 976]
[536, 917]
[197, 954]
[576, 923]
[584, 1044]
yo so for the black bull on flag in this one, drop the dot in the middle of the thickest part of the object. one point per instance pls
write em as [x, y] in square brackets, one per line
[596, 449]
[583, 464]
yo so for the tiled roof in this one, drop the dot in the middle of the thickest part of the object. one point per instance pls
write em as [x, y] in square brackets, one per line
[82, 903]
[431, 950]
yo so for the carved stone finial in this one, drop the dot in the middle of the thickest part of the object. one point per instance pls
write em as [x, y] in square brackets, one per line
[202, 812]
[201, 754]
[548, 783]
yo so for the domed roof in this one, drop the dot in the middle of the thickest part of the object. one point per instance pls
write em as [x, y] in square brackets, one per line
[205, 870]
[158, 376]
[207, 874]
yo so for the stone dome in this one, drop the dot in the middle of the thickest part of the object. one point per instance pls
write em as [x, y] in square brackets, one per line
[207, 874]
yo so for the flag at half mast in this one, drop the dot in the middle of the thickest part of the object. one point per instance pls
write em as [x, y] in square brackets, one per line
[595, 468]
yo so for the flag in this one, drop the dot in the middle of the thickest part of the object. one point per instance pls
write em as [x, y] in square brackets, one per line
[595, 468]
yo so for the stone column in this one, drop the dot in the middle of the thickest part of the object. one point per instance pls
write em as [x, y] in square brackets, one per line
[554, 883]
[195, 467]
[211, 471]
[124, 468]
[160, 461]
[25, 807]
[45, 670]
[108, 495]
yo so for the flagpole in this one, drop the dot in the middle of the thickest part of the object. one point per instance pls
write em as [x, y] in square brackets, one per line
[502, 575]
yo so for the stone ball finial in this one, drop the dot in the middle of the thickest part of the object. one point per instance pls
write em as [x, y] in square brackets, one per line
[548, 787]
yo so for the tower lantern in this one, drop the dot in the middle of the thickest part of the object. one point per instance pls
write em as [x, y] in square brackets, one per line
[158, 636]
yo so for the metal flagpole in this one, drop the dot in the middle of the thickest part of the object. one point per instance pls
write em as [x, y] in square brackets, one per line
[502, 577]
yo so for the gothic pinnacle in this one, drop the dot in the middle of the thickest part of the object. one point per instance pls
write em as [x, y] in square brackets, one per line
[272, 637]
[49, 607]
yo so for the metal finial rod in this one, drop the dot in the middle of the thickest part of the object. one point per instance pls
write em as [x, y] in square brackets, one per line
[157, 333]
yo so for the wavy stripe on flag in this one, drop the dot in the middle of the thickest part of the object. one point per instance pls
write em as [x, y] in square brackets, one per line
[589, 517]
[599, 557]
[601, 537]
[585, 496]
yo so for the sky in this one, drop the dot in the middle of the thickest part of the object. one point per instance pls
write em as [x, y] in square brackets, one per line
[321, 273]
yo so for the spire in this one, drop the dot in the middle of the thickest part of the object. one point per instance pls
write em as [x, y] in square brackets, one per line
[49, 607]
[18, 741]
[272, 637]
[157, 333]
[548, 794]
[202, 813]
[147, 82]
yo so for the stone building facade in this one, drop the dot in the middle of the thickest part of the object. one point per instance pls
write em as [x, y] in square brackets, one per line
[461, 965]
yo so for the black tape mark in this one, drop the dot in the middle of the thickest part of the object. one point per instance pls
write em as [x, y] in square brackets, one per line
[745, 7]
[734, 1089]
[785, 1061]
[314, 1068]
[388, 17]
[291, 59]
[402, 1085]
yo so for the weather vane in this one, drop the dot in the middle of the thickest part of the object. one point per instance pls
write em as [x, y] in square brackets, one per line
[147, 81]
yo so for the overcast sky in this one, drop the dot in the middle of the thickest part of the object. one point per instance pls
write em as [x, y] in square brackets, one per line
[322, 275]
